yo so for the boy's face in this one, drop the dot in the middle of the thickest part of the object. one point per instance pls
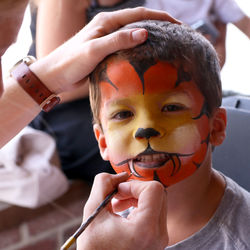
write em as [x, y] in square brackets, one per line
[159, 133]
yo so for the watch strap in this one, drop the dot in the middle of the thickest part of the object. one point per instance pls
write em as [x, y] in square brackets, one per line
[34, 87]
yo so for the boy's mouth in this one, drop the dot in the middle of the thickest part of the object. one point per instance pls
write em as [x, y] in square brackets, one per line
[148, 159]
[153, 160]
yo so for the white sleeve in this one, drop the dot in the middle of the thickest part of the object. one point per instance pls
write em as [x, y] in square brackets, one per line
[228, 11]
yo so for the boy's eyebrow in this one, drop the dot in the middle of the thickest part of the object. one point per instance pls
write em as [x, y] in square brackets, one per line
[169, 94]
[178, 94]
[120, 101]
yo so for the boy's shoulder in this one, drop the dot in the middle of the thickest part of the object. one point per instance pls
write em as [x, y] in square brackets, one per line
[231, 222]
[229, 228]
[236, 201]
[236, 205]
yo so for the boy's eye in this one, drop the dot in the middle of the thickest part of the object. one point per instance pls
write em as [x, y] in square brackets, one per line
[123, 115]
[172, 108]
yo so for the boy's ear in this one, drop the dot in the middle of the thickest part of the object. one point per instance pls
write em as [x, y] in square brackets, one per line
[218, 127]
[99, 135]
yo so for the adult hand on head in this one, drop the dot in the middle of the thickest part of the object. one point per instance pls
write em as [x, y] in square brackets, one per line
[146, 223]
[75, 59]
[71, 62]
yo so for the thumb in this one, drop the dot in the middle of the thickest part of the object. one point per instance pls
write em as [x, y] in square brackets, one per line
[103, 185]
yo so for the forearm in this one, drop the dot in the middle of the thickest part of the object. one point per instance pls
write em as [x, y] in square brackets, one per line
[244, 25]
[17, 110]
[57, 21]
[220, 44]
[17, 107]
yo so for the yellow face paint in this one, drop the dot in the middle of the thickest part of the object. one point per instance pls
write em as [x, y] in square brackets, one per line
[156, 131]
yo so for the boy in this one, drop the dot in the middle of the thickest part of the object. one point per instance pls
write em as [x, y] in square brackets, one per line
[157, 116]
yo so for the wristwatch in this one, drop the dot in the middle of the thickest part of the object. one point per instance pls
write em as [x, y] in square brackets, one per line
[33, 85]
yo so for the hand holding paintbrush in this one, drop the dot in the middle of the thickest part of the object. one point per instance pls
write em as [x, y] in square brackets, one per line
[122, 177]
[110, 231]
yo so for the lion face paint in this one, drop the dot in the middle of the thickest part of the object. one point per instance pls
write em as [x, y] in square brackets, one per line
[155, 125]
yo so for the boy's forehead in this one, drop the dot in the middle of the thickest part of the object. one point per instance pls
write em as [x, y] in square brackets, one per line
[123, 80]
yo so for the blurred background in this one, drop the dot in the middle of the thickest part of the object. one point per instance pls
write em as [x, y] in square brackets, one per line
[235, 73]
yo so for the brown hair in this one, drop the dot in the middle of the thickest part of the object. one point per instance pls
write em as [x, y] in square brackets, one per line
[177, 44]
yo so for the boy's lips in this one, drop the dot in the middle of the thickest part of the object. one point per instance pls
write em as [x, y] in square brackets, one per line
[148, 159]
[154, 160]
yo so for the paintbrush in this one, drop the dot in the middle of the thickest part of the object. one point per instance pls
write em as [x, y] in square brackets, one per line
[84, 225]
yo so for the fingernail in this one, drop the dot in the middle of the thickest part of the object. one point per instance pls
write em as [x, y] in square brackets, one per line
[140, 35]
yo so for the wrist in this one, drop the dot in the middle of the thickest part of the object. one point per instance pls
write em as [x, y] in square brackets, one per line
[46, 74]
[33, 85]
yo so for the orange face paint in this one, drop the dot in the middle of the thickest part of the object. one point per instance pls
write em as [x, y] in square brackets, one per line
[157, 129]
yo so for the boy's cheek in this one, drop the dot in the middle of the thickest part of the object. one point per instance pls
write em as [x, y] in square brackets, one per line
[184, 140]
[122, 146]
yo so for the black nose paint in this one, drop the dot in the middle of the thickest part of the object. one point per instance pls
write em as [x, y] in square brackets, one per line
[146, 133]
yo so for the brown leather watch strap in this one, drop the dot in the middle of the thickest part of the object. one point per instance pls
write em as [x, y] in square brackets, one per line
[34, 87]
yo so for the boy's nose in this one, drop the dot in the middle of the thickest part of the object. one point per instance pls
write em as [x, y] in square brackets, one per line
[146, 133]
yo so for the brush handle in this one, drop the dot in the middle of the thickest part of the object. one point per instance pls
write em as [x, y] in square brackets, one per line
[84, 225]
[97, 211]
[68, 243]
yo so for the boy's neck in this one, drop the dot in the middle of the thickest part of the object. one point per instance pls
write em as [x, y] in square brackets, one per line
[192, 202]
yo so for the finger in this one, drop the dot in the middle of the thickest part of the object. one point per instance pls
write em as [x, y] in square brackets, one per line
[152, 210]
[113, 20]
[103, 185]
[163, 216]
[150, 198]
[121, 205]
[119, 40]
